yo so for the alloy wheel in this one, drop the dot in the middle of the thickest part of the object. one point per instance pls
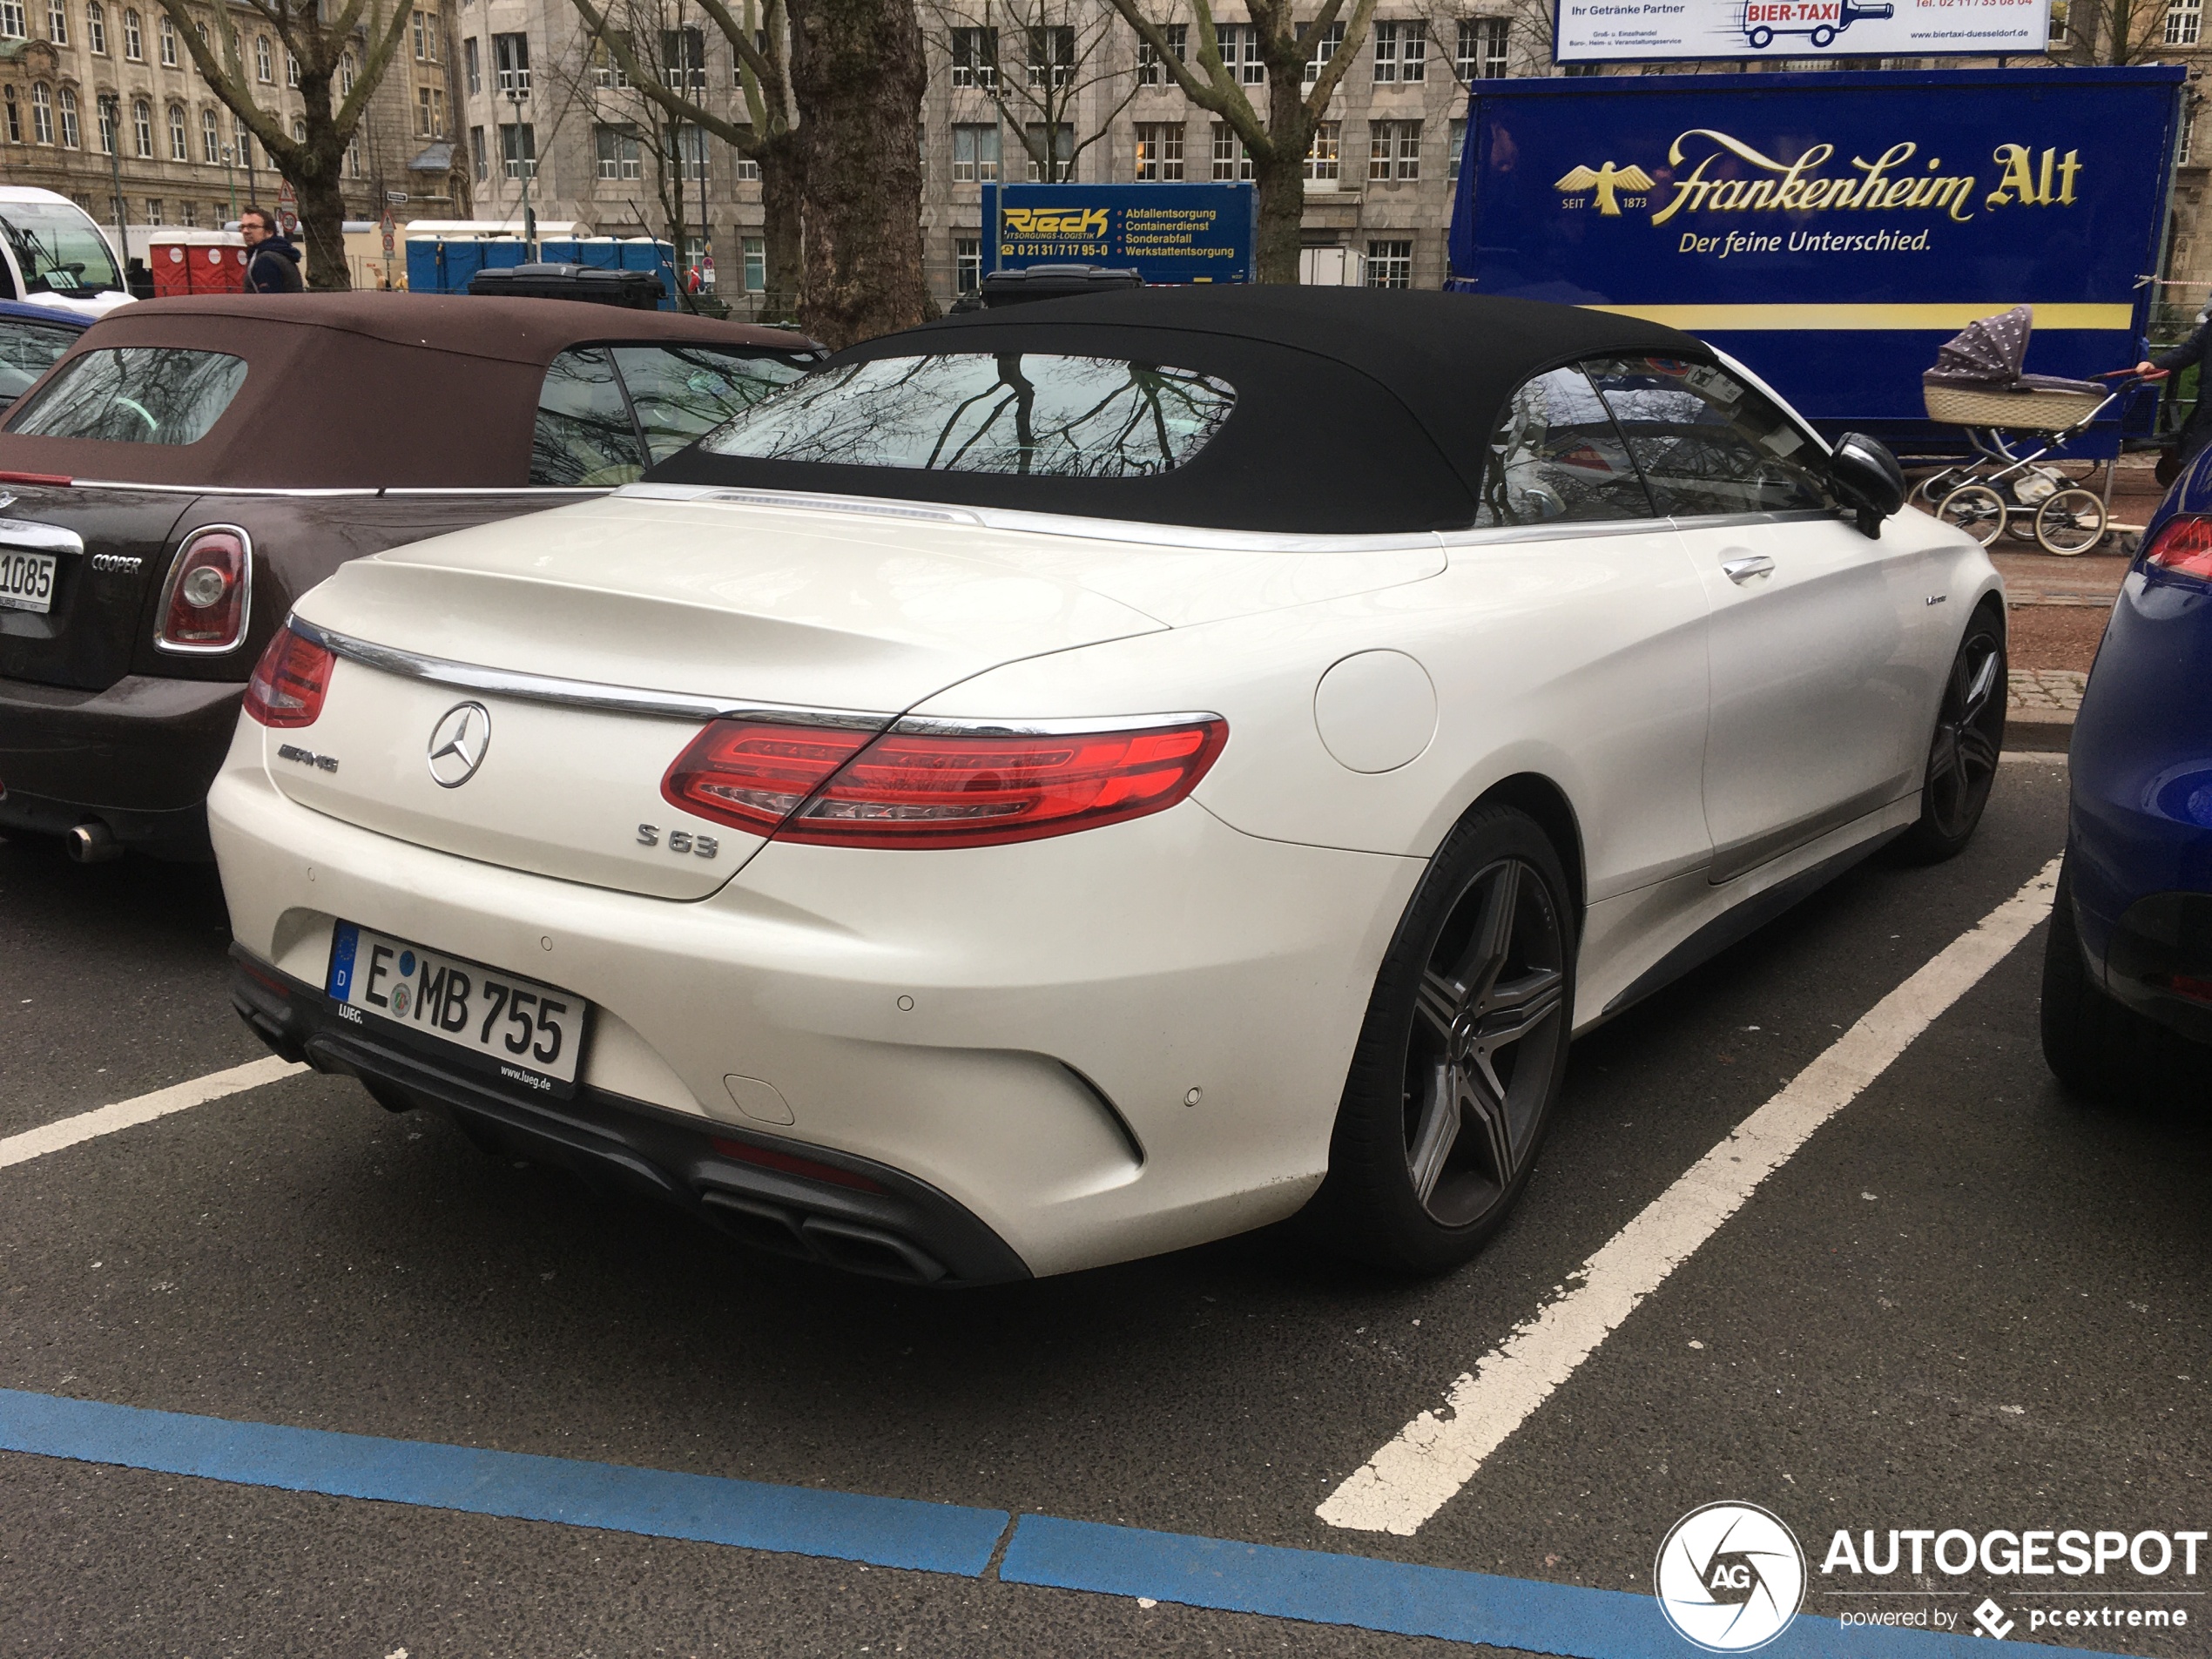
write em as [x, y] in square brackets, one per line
[1489, 1018]
[1962, 762]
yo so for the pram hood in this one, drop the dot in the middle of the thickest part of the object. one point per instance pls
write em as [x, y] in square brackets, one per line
[1987, 353]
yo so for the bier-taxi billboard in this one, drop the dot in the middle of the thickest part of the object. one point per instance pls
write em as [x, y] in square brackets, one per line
[1168, 233]
[1601, 32]
[1831, 230]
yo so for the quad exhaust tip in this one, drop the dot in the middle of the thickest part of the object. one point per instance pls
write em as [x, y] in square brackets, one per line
[92, 842]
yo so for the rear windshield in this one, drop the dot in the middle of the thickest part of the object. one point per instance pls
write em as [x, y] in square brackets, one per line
[134, 394]
[1010, 412]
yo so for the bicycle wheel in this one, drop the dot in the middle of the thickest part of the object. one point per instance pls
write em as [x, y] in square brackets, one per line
[2070, 522]
[1975, 509]
[1933, 488]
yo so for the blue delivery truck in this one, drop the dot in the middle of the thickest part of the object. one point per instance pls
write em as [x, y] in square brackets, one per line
[1831, 230]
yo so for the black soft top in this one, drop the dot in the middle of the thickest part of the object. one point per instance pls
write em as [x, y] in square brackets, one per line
[1359, 410]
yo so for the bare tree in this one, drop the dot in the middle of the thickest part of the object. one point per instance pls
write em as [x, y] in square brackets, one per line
[321, 36]
[1063, 48]
[1284, 54]
[2111, 32]
[759, 34]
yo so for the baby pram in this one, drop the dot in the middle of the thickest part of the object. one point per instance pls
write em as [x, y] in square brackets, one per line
[1978, 383]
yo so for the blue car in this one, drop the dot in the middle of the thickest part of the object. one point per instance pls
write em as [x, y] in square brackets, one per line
[31, 338]
[2127, 965]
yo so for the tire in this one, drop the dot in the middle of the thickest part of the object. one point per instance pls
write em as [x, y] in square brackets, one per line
[2070, 522]
[1823, 38]
[1760, 39]
[1962, 755]
[1461, 1056]
[1975, 509]
[2096, 1045]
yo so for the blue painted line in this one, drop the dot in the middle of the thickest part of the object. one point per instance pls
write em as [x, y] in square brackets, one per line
[1315, 1586]
[884, 1532]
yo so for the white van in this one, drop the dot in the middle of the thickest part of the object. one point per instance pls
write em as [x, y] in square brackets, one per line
[51, 253]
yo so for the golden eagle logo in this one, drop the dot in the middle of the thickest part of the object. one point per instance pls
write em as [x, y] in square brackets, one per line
[1607, 179]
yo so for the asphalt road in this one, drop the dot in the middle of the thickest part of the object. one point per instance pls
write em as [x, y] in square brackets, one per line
[1967, 1301]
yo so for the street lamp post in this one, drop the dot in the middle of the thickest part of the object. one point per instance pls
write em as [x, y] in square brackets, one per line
[524, 165]
[111, 117]
[230, 179]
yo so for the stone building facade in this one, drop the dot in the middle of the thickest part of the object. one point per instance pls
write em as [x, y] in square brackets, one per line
[183, 158]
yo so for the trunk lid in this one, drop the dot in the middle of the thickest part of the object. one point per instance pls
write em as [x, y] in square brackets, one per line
[697, 606]
[103, 595]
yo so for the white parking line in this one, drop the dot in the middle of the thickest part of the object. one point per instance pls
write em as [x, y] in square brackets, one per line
[1438, 1452]
[127, 1114]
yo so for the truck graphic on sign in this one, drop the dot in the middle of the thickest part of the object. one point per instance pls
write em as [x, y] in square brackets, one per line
[1819, 20]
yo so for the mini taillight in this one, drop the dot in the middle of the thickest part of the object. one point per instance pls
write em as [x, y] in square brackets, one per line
[2183, 545]
[289, 681]
[204, 602]
[935, 789]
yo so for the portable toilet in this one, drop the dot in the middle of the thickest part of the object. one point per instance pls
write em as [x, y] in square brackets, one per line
[195, 261]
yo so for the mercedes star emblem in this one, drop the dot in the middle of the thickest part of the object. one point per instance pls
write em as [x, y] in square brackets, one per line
[458, 743]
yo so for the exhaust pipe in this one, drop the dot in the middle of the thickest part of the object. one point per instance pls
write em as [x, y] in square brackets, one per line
[92, 842]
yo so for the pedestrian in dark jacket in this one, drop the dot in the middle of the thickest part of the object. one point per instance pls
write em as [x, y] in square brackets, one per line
[272, 262]
[2198, 431]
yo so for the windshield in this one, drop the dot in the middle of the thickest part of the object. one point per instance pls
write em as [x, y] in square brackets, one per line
[134, 394]
[59, 250]
[27, 350]
[1007, 412]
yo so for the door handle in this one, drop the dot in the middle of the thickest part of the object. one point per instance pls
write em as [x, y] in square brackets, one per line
[1741, 571]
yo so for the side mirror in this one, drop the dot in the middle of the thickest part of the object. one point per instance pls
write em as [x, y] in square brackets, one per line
[1867, 479]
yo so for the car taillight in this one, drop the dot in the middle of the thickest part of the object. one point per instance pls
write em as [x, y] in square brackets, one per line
[934, 788]
[2182, 545]
[204, 603]
[289, 681]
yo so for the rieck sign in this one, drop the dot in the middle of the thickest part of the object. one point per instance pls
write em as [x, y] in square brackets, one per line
[1830, 229]
[1168, 233]
[1598, 31]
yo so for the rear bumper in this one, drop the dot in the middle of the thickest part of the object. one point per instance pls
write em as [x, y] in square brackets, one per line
[138, 756]
[2159, 962]
[875, 1220]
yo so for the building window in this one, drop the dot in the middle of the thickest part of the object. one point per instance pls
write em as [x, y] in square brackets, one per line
[1231, 160]
[2058, 21]
[975, 58]
[14, 114]
[1390, 264]
[96, 28]
[2184, 22]
[1393, 150]
[472, 67]
[690, 151]
[1481, 53]
[1150, 71]
[420, 53]
[58, 22]
[1159, 151]
[510, 57]
[70, 136]
[142, 128]
[133, 38]
[476, 153]
[1458, 142]
[42, 114]
[1240, 56]
[1324, 49]
[188, 215]
[1062, 153]
[242, 143]
[211, 139]
[264, 63]
[168, 34]
[179, 140]
[345, 74]
[619, 154]
[423, 129]
[743, 167]
[683, 57]
[353, 158]
[291, 70]
[1323, 156]
[12, 26]
[976, 155]
[1052, 56]
[1401, 53]
[518, 149]
[153, 210]
[607, 72]
[967, 263]
[756, 263]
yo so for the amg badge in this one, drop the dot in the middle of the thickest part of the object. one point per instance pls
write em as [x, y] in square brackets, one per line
[307, 756]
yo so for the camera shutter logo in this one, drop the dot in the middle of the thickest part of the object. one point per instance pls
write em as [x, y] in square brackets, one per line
[1730, 1577]
[458, 743]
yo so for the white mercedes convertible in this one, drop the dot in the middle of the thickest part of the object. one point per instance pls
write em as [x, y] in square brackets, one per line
[1072, 781]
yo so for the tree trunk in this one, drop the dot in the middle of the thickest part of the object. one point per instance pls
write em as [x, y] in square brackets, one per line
[322, 228]
[1279, 174]
[857, 73]
[781, 189]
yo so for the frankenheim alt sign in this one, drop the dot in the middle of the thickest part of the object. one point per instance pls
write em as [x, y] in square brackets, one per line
[1599, 32]
[1168, 233]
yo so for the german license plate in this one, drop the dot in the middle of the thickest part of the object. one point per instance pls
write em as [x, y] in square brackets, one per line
[516, 1030]
[26, 580]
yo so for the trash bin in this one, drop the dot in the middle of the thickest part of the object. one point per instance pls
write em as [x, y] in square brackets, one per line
[633, 290]
[1046, 282]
